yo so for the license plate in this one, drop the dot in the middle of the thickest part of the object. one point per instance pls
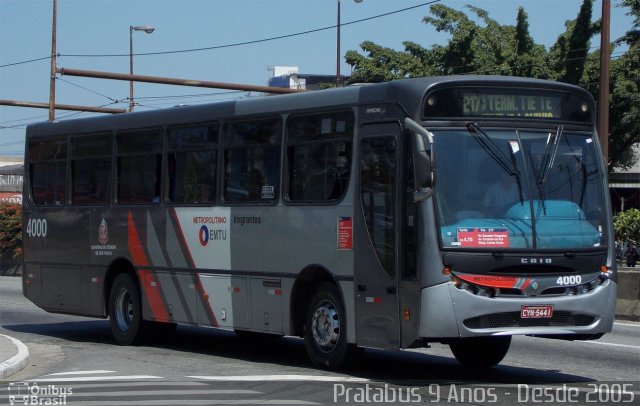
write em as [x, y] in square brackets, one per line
[536, 312]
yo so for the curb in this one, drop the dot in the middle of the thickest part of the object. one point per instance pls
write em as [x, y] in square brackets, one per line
[17, 362]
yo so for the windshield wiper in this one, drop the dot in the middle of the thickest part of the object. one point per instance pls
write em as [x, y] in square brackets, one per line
[550, 152]
[493, 150]
[509, 165]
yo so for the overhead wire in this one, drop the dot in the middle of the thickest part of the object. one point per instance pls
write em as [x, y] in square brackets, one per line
[236, 44]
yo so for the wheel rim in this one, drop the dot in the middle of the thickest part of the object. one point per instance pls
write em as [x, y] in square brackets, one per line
[325, 326]
[124, 310]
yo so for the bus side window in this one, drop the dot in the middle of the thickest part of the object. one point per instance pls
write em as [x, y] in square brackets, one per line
[377, 180]
[47, 163]
[90, 169]
[411, 219]
[138, 166]
[319, 156]
[252, 160]
[192, 162]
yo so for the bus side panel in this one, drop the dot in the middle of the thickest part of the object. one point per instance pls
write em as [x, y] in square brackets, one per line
[179, 291]
[302, 237]
[266, 305]
[227, 297]
[32, 283]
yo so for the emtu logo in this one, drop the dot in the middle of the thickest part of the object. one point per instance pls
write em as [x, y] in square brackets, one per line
[203, 235]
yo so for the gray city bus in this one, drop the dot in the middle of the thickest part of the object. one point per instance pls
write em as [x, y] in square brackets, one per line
[462, 210]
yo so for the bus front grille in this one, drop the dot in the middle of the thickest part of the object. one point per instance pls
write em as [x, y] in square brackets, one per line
[513, 319]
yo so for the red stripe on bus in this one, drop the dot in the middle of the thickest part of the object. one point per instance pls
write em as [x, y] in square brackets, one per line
[204, 297]
[136, 250]
[154, 297]
[176, 221]
[491, 281]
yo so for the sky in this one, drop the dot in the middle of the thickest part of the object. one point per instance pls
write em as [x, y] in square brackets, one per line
[86, 28]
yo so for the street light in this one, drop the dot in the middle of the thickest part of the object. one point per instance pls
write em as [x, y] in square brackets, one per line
[148, 29]
[338, 78]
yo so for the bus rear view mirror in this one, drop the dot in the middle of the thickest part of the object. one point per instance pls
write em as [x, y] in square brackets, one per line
[421, 154]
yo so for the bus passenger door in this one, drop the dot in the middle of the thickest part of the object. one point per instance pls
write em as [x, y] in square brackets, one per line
[376, 237]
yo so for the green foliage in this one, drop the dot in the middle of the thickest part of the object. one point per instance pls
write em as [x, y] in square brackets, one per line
[480, 45]
[627, 225]
[10, 230]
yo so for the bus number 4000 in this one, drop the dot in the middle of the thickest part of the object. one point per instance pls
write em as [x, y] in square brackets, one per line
[569, 280]
[37, 228]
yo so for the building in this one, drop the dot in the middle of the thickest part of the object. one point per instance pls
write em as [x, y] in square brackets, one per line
[290, 77]
[11, 180]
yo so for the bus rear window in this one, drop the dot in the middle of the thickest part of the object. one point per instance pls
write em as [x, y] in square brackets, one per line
[252, 160]
[47, 163]
[192, 162]
[139, 166]
[319, 156]
[90, 169]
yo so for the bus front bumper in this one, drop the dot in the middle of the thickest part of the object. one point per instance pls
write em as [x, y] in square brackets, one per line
[448, 312]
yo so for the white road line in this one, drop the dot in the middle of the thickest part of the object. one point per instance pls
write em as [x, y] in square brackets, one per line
[96, 378]
[110, 385]
[635, 347]
[193, 402]
[133, 392]
[81, 373]
[626, 324]
[281, 378]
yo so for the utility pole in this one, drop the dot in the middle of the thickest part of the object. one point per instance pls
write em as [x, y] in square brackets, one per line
[603, 105]
[175, 81]
[72, 107]
[52, 83]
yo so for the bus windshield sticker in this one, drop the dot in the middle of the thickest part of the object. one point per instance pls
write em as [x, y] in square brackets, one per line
[268, 192]
[345, 233]
[483, 237]
[514, 146]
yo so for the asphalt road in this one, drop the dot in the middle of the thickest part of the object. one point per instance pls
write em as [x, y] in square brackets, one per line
[74, 359]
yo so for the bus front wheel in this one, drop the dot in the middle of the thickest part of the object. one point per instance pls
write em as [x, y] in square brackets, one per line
[325, 337]
[125, 311]
[480, 352]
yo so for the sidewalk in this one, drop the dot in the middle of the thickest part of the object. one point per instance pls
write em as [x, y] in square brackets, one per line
[14, 356]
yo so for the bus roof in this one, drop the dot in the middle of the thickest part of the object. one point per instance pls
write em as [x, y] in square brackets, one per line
[407, 92]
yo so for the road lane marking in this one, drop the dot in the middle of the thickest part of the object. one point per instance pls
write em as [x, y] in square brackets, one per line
[626, 324]
[133, 392]
[635, 347]
[95, 378]
[82, 373]
[281, 378]
[197, 402]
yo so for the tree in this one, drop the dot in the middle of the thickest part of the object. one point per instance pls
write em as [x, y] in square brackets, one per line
[625, 95]
[627, 225]
[479, 45]
[10, 230]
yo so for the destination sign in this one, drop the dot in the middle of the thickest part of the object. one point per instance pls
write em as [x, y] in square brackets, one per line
[514, 105]
[505, 102]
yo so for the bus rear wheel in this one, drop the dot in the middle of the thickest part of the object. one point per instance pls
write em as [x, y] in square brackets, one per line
[480, 352]
[325, 337]
[125, 311]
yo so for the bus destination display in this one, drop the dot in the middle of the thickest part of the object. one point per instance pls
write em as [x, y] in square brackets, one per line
[496, 102]
[513, 105]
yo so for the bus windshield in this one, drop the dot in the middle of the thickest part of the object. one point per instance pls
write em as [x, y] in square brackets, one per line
[518, 189]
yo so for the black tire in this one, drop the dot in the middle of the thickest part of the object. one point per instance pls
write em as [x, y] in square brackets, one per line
[125, 311]
[325, 329]
[480, 352]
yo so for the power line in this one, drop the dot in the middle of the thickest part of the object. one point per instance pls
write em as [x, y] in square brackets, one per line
[331, 27]
[88, 90]
[23, 62]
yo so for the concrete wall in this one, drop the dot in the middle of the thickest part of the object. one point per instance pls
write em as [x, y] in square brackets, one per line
[628, 304]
